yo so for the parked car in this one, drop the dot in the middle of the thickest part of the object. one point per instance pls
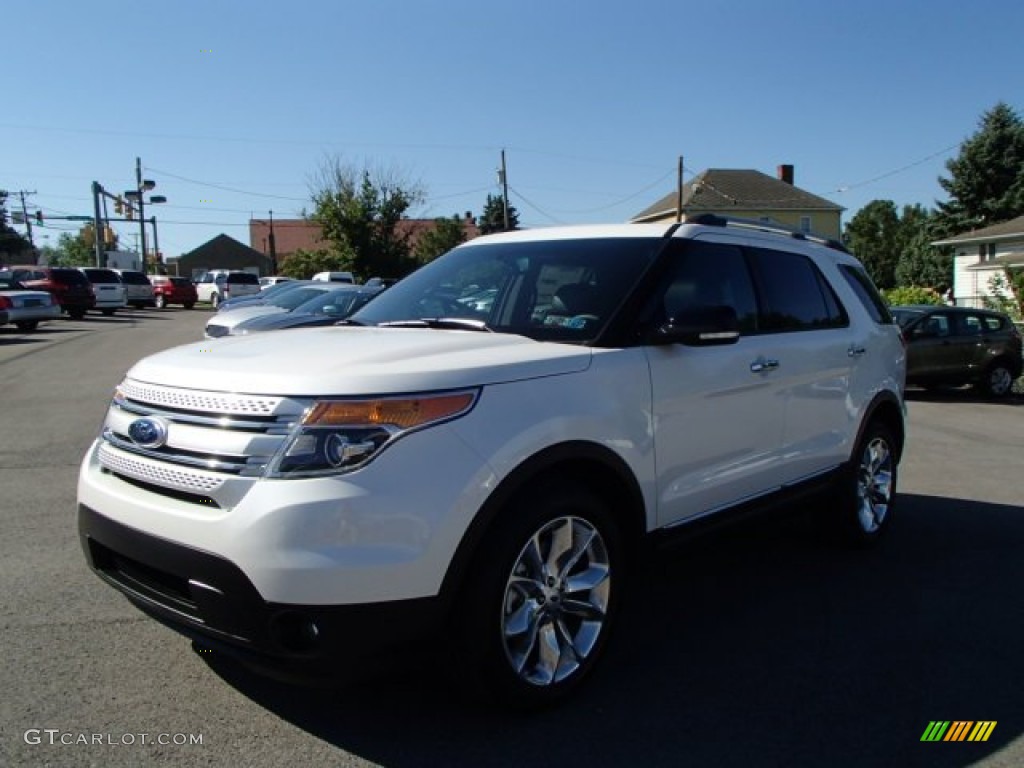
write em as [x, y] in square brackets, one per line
[335, 277]
[22, 307]
[139, 288]
[953, 346]
[217, 286]
[265, 295]
[110, 291]
[493, 475]
[272, 280]
[222, 322]
[326, 308]
[69, 286]
[168, 289]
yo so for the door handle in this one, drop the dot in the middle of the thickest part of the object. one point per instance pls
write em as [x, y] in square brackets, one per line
[855, 351]
[761, 365]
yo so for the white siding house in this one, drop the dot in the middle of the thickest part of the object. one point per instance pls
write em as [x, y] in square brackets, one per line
[981, 254]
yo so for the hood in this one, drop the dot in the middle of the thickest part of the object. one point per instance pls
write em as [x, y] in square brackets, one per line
[236, 315]
[343, 360]
[283, 320]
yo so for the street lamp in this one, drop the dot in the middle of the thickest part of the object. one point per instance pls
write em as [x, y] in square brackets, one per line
[137, 194]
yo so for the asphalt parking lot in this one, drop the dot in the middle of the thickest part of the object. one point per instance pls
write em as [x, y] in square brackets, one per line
[762, 646]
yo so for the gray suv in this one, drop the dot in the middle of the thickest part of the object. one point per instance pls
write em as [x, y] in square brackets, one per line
[952, 346]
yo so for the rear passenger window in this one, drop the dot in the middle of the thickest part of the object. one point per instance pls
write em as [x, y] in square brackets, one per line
[867, 293]
[993, 323]
[793, 294]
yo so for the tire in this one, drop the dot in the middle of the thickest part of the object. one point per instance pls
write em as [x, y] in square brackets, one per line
[998, 381]
[189, 304]
[159, 301]
[215, 300]
[108, 312]
[27, 325]
[535, 622]
[869, 488]
[76, 314]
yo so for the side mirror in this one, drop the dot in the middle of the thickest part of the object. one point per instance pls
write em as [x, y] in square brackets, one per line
[699, 327]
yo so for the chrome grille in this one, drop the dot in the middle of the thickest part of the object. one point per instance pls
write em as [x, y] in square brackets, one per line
[157, 473]
[211, 437]
[195, 400]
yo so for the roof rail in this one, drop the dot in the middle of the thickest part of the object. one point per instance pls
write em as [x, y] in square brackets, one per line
[713, 220]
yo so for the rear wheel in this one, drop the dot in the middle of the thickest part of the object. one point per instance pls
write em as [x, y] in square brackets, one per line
[543, 596]
[869, 489]
[189, 304]
[215, 300]
[159, 301]
[107, 312]
[76, 314]
[27, 325]
[998, 381]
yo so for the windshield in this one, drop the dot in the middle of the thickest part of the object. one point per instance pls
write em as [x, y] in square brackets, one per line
[292, 299]
[904, 317]
[555, 290]
[339, 304]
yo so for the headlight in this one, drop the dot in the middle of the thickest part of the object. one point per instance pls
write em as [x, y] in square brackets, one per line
[338, 436]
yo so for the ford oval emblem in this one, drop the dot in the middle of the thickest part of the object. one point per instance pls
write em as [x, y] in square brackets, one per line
[148, 433]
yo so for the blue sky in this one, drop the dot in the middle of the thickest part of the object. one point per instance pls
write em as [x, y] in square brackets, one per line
[592, 101]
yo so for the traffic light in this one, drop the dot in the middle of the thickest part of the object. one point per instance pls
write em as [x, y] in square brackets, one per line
[118, 205]
[129, 212]
[108, 237]
[39, 217]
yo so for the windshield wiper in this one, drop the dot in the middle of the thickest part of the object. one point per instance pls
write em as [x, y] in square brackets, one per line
[348, 322]
[447, 323]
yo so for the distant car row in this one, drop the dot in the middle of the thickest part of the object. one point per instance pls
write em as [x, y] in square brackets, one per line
[76, 290]
[291, 304]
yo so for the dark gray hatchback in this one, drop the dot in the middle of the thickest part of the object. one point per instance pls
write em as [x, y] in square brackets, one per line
[952, 346]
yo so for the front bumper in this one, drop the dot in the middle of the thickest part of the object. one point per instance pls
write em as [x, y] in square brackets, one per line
[210, 599]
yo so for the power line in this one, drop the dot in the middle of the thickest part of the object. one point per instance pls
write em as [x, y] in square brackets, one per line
[901, 169]
[227, 189]
[535, 208]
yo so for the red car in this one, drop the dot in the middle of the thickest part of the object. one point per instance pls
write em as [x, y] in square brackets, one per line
[173, 290]
[69, 286]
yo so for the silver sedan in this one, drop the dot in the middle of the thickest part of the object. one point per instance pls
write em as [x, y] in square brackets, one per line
[24, 307]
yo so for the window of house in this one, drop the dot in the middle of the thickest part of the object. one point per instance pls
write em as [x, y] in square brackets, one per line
[805, 223]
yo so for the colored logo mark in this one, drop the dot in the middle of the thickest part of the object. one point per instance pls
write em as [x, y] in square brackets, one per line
[958, 730]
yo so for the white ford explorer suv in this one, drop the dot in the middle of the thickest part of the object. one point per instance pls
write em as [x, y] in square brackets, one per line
[483, 447]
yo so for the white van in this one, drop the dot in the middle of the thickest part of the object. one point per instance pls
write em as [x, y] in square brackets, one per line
[335, 277]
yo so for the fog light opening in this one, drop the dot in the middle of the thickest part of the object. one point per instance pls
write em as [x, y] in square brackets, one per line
[295, 632]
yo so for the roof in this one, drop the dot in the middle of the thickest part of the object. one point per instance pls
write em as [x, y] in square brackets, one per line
[722, 189]
[1006, 230]
[1015, 259]
[223, 252]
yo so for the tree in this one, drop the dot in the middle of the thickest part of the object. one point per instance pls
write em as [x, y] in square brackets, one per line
[920, 263]
[302, 265]
[13, 245]
[441, 238]
[986, 181]
[493, 217]
[874, 236]
[359, 211]
[73, 251]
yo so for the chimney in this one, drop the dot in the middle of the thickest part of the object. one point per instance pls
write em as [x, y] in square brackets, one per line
[785, 173]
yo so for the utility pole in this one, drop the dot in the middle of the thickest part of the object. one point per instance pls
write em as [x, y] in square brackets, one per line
[98, 225]
[156, 247]
[273, 246]
[503, 175]
[679, 191]
[28, 221]
[142, 212]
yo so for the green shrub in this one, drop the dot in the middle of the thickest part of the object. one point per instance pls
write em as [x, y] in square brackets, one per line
[912, 294]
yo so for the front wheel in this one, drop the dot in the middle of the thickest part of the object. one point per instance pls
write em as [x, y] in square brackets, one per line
[189, 304]
[544, 595]
[159, 302]
[107, 312]
[870, 487]
[215, 300]
[27, 325]
[76, 314]
[998, 381]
